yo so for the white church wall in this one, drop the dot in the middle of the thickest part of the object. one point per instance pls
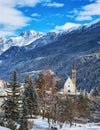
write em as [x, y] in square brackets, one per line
[69, 87]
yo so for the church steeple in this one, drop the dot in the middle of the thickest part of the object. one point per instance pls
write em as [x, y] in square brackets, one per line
[74, 75]
[74, 65]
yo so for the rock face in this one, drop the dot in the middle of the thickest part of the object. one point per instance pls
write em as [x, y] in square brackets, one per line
[24, 39]
[57, 52]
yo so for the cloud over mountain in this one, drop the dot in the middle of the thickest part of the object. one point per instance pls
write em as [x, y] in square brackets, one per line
[89, 11]
[17, 16]
[66, 26]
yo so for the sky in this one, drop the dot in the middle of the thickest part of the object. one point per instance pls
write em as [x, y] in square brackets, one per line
[17, 16]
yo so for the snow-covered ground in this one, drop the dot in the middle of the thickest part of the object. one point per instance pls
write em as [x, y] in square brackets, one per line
[40, 124]
[3, 128]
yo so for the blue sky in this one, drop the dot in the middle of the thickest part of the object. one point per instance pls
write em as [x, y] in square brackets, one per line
[17, 16]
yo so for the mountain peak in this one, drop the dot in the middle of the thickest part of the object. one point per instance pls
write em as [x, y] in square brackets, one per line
[39, 39]
[57, 52]
[25, 38]
[2, 39]
[31, 33]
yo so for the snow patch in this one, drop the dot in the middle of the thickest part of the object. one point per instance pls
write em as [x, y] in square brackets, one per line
[0, 61]
[40, 124]
[24, 39]
[4, 128]
[98, 42]
[33, 72]
[39, 58]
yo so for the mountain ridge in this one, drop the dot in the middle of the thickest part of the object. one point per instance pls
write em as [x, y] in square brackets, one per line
[23, 39]
[80, 45]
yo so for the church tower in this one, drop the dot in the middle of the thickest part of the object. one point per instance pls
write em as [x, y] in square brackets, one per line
[74, 75]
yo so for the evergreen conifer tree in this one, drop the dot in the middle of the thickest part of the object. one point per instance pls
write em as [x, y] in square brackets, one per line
[10, 104]
[83, 106]
[40, 85]
[94, 92]
[14, 106]
[30, 97]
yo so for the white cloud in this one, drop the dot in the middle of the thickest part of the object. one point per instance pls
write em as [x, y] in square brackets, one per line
[54, 4]
[35, 19]
[75, 11]
[30, 3]
[11, 18]
[72, 14]
[6, 33]
[33, 3]
[83, 17]
[89, 11]
[35, 15]
[69, 16]
[65, 27]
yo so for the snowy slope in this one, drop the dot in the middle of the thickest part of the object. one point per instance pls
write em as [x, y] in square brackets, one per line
[44, 40]
[40, 124]
[57, 51]
[39, 39]
[4, 128]
[30, 40]
[24, 39]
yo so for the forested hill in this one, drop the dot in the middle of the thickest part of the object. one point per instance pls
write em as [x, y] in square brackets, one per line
[57, 53]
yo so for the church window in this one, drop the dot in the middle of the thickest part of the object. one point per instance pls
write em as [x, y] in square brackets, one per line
[68, 91]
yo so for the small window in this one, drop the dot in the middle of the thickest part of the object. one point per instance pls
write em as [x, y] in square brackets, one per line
[68, 85]
[68, 91]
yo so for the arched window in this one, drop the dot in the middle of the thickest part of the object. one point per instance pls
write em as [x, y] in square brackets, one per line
[68, 91]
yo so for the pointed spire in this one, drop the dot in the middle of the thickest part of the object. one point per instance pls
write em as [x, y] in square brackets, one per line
[74, 74]
[74, 65]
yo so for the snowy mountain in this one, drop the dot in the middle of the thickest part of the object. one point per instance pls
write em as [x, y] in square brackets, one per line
[24, 39]
[30, 40]
[44, 40]
[57, 52]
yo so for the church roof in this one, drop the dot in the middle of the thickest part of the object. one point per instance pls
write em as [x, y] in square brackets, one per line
[69, 81]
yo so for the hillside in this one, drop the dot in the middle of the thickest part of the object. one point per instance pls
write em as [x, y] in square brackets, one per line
[82, 45]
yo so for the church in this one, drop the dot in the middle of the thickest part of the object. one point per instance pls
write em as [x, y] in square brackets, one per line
[70, 84]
